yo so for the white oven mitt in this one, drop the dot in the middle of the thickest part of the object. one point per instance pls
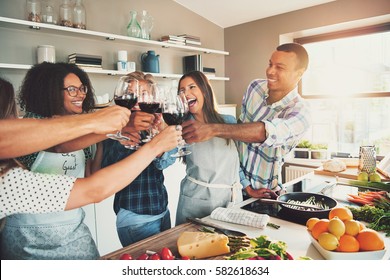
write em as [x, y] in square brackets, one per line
[240, 216]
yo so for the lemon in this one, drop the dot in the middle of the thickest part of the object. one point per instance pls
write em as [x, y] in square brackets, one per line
[352, 227]
[363, 176]
[328, 241]
[374, 177]
[336, 227]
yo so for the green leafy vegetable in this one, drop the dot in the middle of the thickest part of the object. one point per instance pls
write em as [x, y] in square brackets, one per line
[378, 216]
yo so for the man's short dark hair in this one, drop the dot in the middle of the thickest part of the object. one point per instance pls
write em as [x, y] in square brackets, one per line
[299, 50]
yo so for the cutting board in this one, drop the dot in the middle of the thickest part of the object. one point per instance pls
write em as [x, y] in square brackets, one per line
[350, 173]
[156, 242]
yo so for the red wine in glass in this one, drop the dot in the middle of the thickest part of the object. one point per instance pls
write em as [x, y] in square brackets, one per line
[150, 108]
[127, 101]
[174, 118]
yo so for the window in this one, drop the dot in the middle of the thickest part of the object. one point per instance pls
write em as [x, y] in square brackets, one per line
[347, 86]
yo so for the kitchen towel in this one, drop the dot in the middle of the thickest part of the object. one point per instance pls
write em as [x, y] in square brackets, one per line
[240, 216]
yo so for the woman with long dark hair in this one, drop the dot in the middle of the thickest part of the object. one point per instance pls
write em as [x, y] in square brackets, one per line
[213, 168]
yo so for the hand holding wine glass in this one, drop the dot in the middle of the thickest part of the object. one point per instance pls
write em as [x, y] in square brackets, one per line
[126, 95]
[175, 110]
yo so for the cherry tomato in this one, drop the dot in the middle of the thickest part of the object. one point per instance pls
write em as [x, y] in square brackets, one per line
[185, 258]
[166, 254]
[126, 256]
[143, 257]
[155, 256]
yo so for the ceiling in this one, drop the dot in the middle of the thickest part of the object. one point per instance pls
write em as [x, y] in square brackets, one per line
[241, 11]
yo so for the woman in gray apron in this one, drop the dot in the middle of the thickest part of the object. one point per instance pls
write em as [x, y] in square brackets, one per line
[213, 168]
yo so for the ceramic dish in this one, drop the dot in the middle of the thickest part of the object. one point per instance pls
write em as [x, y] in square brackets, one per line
[332, 255]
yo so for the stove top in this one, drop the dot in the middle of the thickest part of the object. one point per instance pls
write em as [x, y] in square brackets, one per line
[273, 210]
[337, 192]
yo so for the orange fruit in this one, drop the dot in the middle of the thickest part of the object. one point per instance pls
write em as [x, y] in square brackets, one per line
[311, 222]
[352, 227]
[336, 227]
[320, 227]
[342, 213]
[361, 226]
[328, 241]
[348, 243]
[370, 240]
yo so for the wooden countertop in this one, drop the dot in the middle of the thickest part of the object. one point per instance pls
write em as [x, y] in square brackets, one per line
[156, 242]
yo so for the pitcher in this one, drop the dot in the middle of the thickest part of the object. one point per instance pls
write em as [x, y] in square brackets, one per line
[150, 62]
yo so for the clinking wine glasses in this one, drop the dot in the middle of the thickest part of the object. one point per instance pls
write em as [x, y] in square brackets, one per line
[126, 95]
[149, 101]
[175, 110]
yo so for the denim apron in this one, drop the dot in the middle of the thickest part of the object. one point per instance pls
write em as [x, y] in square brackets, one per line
[60, 235]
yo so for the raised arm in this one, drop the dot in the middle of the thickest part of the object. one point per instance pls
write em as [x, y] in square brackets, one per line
[24, 136]
[109, 180]
[194, 131]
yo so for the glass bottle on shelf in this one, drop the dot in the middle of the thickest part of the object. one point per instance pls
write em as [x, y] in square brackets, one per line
[133, 28]
[33, 10]
[66, 11]
[49, 15]
[146, 24]
[79, 15]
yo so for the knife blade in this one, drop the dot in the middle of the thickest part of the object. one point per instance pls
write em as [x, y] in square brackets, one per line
[216, 227]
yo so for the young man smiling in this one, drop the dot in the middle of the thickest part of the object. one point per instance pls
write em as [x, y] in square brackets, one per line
[273, 119]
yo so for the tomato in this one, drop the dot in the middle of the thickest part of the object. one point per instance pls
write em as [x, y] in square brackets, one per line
[185, 258]
[126, 256]
[143, 257]
[155, 257]
[166, 254]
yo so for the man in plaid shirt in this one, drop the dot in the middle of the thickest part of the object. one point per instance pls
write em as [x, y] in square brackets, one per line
[273, 119]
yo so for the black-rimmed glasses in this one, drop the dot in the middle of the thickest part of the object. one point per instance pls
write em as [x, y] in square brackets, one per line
[73, 91]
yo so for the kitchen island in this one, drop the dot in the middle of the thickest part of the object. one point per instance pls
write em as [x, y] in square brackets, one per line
[294, 234]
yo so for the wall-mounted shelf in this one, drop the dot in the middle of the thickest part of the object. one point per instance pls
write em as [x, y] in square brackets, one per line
[50, 28]
[108, 72]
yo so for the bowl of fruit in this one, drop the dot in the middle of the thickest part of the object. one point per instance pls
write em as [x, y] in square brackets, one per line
[340, 237]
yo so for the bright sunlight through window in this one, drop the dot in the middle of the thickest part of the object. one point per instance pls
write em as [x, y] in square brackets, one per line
[348, 87]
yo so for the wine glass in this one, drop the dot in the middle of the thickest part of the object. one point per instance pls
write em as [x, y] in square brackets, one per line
[175, 110]
[149, 101]
[126, 95]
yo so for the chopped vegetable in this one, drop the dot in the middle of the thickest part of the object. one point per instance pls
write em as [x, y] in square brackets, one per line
[311, 201]
[275, 226]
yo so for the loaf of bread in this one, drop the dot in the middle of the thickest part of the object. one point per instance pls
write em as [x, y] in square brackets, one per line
[334, 165]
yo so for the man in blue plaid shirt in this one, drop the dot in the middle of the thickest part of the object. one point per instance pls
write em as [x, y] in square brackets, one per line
[273, 119]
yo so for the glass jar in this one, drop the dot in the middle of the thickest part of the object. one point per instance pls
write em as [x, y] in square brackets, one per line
[79, 15]
[133, 28]
[146, 24]
[33, 10]
[66, 11]
[49, 15]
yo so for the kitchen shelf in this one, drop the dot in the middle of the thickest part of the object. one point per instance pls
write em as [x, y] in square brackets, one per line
[50, 28]
[109, 72]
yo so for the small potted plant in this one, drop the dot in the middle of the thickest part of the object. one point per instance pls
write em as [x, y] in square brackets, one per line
[319, 151]
[302, 150]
